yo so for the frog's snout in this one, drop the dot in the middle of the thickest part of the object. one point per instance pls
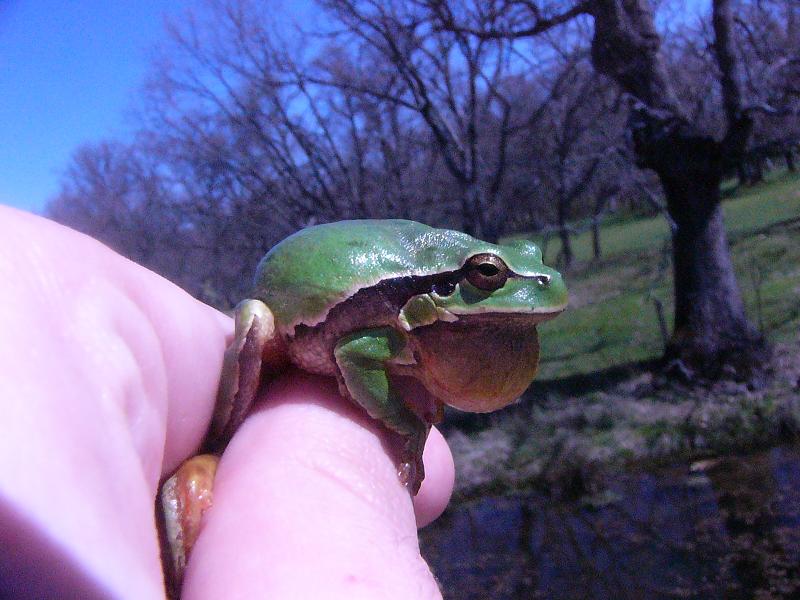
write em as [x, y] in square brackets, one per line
[553, 293]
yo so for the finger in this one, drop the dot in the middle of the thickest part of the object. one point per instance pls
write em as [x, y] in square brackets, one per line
[308, 504]
[100, 360]
[437, 487]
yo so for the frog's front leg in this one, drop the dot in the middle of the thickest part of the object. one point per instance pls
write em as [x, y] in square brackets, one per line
[189, 492]
[364, 359]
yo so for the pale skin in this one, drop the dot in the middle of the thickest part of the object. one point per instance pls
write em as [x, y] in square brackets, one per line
[101, 401]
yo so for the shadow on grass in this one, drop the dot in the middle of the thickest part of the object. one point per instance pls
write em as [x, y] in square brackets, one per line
[573, 385]
[596, 381]
[601, 344]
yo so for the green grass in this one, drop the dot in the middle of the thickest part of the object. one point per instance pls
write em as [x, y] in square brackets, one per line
[613, 318]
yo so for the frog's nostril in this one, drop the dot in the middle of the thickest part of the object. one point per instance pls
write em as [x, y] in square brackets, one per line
[543, 280]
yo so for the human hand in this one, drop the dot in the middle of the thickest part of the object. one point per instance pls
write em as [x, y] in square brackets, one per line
[109, 375]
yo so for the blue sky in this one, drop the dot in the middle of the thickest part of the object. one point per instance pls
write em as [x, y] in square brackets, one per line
[68, 71]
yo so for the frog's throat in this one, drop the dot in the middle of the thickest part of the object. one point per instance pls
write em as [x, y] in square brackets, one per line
[478, 363]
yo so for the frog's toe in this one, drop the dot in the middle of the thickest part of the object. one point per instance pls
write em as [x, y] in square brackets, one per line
[411, 469]
[184, 498]
[411, 473]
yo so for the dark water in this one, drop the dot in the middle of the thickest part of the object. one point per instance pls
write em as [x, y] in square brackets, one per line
[729, 529]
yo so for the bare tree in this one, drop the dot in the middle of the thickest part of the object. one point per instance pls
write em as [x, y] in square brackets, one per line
[484, 113]
[453, 81]
[113, 192]
[582, 146]
[711, 329]
[256, 149]
[768, 36]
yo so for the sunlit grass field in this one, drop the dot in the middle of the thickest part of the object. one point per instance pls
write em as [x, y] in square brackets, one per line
[612, 319]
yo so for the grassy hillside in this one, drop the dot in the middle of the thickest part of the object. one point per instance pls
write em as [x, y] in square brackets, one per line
[584, 416]
[612, 318]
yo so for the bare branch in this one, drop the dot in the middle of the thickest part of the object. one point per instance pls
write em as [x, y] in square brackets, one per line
[540, 24]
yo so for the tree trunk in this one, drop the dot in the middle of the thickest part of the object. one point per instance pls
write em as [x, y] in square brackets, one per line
[474, 213]
[789, 155]
[757, 174]
[566, 246]
[711, 332]
[596, 252]
[563, 231]
[601, 200]
[742, 172]
[470, 223]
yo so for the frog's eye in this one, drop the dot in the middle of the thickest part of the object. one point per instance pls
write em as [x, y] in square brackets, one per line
[486, 272]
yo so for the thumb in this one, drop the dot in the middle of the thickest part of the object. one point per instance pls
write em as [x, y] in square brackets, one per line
[307, 504]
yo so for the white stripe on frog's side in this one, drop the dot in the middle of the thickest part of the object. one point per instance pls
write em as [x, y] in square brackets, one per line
[451, 315]
[477, 309]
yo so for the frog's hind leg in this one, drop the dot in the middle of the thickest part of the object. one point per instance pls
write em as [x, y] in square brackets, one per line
[256, 351]
[363, 359]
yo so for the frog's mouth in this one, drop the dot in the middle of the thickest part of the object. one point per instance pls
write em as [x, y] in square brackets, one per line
[495, 314]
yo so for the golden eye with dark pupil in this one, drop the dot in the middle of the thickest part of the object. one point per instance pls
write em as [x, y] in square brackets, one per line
[486, 272]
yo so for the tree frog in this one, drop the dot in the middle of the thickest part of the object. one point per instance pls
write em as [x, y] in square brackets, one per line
[406, 317]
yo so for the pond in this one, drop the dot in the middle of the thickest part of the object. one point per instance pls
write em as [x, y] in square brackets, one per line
[727, 528]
